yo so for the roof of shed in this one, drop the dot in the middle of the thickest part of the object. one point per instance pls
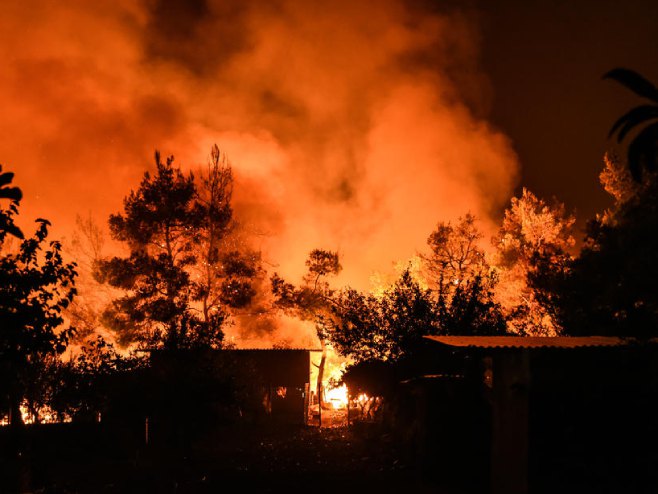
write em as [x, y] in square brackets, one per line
[530, 341]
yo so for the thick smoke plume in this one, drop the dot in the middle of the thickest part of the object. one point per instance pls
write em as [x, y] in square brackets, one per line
[346, 122]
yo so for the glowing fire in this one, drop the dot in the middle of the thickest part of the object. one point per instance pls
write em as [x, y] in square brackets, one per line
[337, 397]
[45, 416]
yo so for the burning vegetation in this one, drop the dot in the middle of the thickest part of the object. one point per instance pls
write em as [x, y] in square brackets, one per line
[190, 275]
[236, 292]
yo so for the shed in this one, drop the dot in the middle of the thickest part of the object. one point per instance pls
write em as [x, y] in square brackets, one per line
[277, 380]
[283, 376]
[565, 412]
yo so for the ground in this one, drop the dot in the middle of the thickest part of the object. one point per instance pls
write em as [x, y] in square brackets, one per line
[263, 458]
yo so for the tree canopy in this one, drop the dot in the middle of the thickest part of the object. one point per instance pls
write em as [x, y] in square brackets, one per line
[184, 272]
[533, 233]
[36, 285]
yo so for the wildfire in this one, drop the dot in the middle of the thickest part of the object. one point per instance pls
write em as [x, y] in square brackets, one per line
[45, 416]
[337, 397]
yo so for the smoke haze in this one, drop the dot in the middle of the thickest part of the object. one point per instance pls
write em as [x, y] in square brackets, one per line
[350, 127]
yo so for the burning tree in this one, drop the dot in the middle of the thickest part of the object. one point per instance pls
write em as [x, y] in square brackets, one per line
[36, 285]
[382, 332]
[462, 281]
[159, 225]
[460, 300]
[312, 300]
[179, 278]
[533, 233]
[456, 258]
[86, 310]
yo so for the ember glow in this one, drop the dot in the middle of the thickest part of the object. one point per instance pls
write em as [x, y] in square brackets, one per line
[44, 416]
[337, 397]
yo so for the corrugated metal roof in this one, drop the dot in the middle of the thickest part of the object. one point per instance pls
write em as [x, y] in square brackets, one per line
[270, 349]
[530, 341]
[264, 349]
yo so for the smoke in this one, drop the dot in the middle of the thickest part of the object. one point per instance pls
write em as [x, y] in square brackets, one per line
[352, 126]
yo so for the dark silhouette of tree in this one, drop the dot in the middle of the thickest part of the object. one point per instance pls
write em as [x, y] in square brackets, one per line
[366, 328]
[159, 224]
[609, 289]
[89, 385]
[226, 267]
[36, 285]
[14, 195]
[312, 300]
[643, 147]
[186, 270]
[473, 309]
[390, 327]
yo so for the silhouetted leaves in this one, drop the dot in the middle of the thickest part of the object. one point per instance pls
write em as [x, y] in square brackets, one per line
[643, 148]
[36, 285]
[14, 195]
[610, 289]
[160, 224]
[633, 81]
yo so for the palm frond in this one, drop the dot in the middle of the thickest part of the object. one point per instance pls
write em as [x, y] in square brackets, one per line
[633, 81]
[643, 151]
[631, 119]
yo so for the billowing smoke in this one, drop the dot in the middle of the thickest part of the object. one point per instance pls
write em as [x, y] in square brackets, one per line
[346, 121]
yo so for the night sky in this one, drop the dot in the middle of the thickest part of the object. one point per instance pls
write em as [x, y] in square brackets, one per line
[545, 60]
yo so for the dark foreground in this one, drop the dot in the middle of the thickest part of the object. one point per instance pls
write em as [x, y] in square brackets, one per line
[66, 459]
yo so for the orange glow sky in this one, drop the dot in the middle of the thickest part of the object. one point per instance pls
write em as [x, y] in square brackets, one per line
[349, 127]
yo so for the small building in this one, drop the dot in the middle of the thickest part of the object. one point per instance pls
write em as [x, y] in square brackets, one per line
[560, 414]
[283, 375]
[274, 383]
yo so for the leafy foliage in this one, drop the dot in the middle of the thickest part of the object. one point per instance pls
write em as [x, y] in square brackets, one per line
[225, 269]
[364, 327]
[312, 300]
[610, 288]
[532, 233]
[472, 310]
[36, 285]
[455, 256]
[389, 328]
[185, 271]
[158, 224]
[14, 195]
[313, 297]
